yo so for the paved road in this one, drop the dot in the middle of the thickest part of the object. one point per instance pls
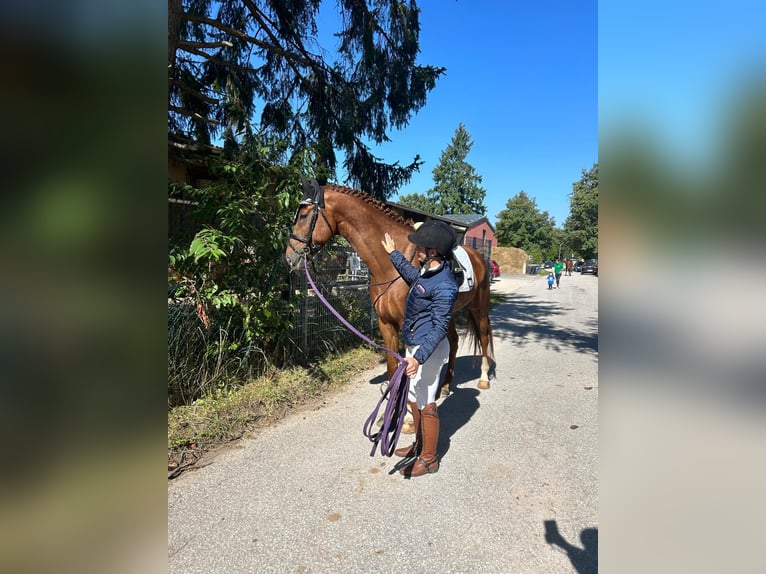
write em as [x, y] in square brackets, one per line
[305, 496]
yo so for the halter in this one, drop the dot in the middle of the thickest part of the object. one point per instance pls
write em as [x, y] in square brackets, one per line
[313, 194]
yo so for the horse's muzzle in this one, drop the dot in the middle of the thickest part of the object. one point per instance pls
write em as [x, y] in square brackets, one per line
[294, 258]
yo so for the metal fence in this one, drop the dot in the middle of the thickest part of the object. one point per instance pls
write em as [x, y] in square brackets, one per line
[483, 246]
[343, 279]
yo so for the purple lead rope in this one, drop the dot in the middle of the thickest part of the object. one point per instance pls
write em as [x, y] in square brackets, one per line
[395, 394]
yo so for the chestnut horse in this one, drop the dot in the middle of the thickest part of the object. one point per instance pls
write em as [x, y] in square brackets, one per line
[332, 210]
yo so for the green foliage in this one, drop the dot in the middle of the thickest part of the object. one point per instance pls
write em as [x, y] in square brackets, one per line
[229, 277]
[521, 224]
[239, 68]
[212, 244]
[418, 201]
[457, 188]
[581, 227]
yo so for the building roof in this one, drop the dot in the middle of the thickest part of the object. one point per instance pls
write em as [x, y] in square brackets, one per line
[469, 220]
[418, 215]
[462, 221]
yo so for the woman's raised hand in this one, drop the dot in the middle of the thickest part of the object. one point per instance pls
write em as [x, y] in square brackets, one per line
[388, 243]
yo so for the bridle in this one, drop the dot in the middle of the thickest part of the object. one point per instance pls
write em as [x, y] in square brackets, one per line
[313, 194]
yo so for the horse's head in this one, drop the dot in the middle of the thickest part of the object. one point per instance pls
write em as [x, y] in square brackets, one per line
[307, 237]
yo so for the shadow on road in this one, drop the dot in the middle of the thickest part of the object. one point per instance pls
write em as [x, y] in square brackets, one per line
[585, 559]
[467, 368]
[458, 408]
[524, 319]
[381, 378]
[454, 412]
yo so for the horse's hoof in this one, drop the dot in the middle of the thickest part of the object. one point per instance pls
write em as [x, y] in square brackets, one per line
[408, 427]
[483, 385]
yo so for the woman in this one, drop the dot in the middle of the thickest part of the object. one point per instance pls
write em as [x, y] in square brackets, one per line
[433, 291]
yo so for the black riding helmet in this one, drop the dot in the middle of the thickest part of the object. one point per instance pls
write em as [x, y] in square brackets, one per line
[435, 235]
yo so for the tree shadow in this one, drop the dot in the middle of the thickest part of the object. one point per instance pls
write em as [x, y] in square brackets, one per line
[585, 559]
[524, 320]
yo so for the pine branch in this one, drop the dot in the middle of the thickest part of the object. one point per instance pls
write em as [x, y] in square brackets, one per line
[273, 47]
[186, 44]
[195, 115]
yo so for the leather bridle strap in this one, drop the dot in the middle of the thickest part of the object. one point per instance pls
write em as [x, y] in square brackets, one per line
[310, 247]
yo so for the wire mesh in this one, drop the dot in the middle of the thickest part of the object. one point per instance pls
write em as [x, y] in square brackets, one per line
[343, 279]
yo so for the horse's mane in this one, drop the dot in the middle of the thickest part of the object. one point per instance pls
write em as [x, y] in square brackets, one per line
[382, 207]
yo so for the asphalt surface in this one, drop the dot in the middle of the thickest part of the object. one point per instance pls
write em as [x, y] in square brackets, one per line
[518, 460]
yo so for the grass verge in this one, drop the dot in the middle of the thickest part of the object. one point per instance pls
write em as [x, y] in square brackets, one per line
[229, 414]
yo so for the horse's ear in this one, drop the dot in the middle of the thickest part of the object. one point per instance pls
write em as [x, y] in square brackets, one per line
[307, 191]
[312, 191]
[318, 192]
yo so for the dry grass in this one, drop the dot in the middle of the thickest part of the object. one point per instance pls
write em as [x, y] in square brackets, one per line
[223, 416]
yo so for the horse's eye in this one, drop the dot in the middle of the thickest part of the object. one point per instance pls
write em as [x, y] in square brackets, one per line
[303, 216]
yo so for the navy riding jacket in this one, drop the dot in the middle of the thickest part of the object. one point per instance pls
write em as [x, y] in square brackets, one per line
[429, 304]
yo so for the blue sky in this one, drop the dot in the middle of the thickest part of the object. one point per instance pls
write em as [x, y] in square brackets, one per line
[522, 78]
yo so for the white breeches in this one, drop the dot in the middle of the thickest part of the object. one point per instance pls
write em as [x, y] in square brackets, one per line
[424, 384]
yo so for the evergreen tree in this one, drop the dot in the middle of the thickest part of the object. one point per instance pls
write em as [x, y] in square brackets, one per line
[244, 68]
[417, 201]
[457, 188]
[582, 224]
[521, 224]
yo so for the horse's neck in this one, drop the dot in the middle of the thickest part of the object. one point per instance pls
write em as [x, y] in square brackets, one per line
[364, 227]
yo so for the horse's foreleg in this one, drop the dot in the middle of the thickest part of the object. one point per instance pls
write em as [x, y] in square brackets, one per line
[453, 344]
[391, 341]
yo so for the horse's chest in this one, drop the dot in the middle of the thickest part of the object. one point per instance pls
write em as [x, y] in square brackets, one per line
[389, 304]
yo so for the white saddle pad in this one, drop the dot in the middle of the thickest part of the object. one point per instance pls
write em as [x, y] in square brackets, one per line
[465, 261]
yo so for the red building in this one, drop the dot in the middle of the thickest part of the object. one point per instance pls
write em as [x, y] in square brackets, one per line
[479, 232]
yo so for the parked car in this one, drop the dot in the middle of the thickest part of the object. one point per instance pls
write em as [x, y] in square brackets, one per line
[548, 265]
[494, 268]
[578, 266]
[590, 266]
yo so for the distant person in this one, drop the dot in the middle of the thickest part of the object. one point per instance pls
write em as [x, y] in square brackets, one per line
[569, 266]
[558, 267]
[551, 279]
